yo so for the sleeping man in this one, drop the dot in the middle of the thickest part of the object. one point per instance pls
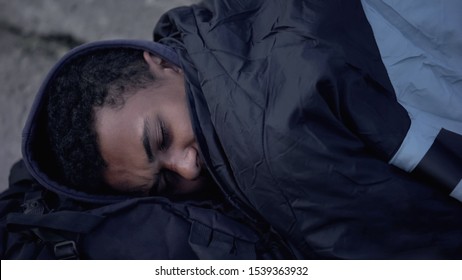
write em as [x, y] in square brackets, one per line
[129, 129]
[284, 107]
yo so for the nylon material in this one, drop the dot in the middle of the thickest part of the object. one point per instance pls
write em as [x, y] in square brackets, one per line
[305, 178]
[383, 139]
[216, 221]
[200, 234]
[457, 192]
[433, 120]
[242, 32]
[308, 146]
[166, 226]
[253, 165]
[231, 122]
[162, 231]
[228, 9]
[433, 89]
[294, 181]
[342, 223]
[408, 41]
[327, 222]
[415, 145]
[293, 161]
[439, 37]
[320, 238]
[272, 204]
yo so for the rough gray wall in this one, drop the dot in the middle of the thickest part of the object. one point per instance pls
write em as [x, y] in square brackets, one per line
[34, 34]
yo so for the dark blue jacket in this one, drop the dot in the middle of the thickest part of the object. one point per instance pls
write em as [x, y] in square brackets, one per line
[297, 121]
[296, 117]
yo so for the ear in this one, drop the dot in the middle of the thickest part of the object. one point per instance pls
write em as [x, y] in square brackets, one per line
[154, 63]
[157, 64]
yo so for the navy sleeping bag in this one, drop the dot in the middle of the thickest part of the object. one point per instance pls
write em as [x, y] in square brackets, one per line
[305, 130]
[297, 118]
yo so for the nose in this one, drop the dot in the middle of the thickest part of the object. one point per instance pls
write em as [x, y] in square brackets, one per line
[185, 163]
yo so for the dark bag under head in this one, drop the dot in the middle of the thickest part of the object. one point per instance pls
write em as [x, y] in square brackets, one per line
[38, 224]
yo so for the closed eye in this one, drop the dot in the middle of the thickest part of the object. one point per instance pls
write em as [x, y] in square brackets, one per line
[166, 138]
[146, 141]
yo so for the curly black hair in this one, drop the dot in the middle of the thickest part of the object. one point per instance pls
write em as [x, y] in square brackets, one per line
[100, 78]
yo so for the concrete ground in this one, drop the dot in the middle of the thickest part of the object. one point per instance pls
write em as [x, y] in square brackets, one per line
[34, 34]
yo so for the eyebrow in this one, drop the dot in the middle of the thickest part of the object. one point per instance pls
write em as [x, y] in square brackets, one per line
[146, 141]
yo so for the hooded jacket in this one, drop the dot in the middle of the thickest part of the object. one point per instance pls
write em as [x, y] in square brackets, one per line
[296, 121]
[116, 226]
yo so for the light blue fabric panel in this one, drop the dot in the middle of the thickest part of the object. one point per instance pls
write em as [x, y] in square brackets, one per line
[457, 192]
[421, 46]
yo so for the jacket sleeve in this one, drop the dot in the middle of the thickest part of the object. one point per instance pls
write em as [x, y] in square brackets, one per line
[430, 153]
[364, 107]
[442, 163]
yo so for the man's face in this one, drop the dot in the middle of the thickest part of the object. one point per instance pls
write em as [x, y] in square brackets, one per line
[148, 144]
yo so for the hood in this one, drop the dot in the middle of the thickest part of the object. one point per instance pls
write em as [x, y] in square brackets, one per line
[35, 147]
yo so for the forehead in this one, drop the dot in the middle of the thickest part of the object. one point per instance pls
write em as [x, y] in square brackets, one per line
[119, 133]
